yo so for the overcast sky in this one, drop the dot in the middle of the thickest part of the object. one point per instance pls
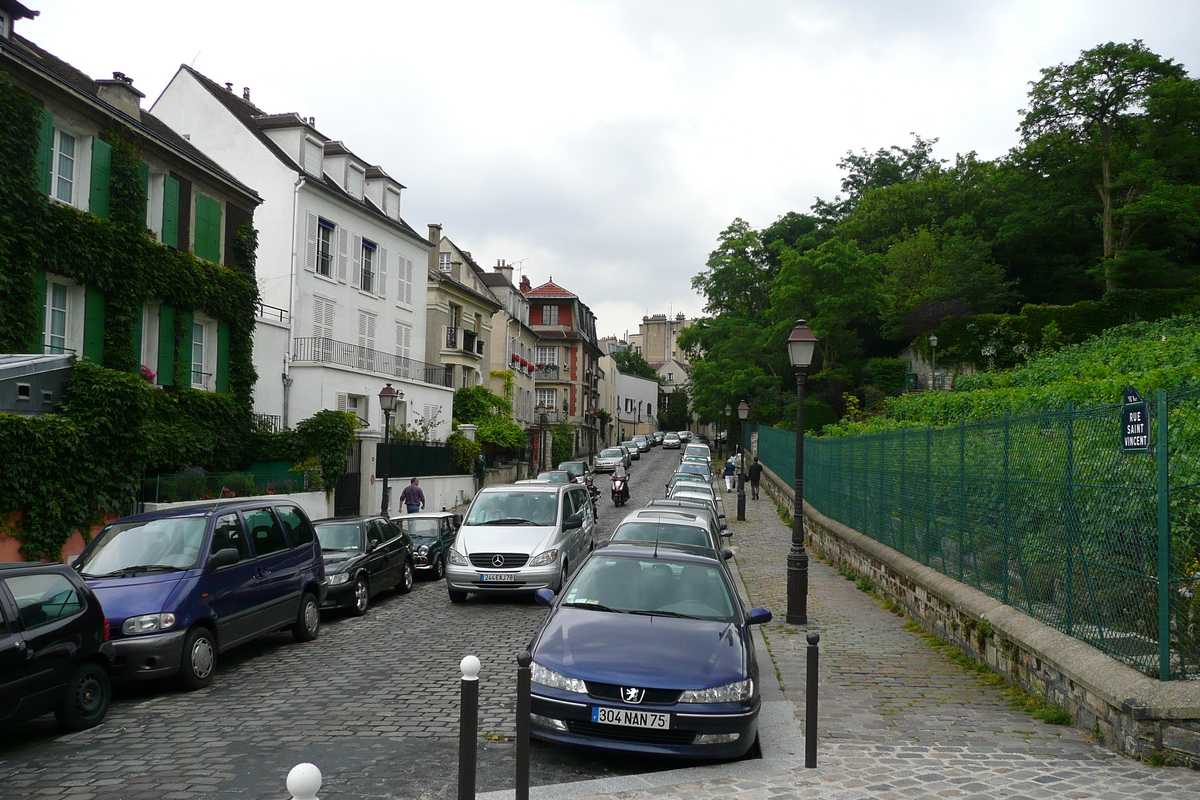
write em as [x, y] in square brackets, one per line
[607, 144]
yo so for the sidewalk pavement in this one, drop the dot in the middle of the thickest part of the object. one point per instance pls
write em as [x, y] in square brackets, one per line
[896, 718]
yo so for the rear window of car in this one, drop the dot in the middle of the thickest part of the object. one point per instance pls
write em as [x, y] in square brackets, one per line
[611, 452]
[660, 532]
[296, 524]
[44, 598]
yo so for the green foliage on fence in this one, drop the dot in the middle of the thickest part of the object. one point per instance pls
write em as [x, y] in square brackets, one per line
[325, 437]
[1042, 512]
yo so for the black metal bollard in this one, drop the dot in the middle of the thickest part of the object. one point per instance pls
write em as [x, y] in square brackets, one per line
[523, 680]
[810, 701]
[468, 733]
[741, 514]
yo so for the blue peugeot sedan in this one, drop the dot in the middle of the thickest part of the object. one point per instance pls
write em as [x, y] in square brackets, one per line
[648, 649]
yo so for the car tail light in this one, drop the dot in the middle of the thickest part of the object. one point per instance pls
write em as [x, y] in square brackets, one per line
[104, 631]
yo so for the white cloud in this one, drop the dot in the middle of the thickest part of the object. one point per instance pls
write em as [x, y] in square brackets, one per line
[608, 143]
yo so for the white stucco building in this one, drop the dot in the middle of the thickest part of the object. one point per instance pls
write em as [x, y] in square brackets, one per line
[342, 276]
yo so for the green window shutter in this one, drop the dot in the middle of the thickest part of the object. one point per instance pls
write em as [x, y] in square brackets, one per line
[93, 324]
[166, 345]
[101, 177]
[170, 226]
[136, 366]
[45, 153]
[208, 228]
[38, 345]
[144, 173]
[222, 356]
[184, 347]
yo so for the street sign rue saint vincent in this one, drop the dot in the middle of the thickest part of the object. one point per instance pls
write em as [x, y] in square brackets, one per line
[1135, 427]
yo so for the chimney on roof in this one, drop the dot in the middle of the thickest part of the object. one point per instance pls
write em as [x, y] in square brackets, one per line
[435, 236]
[246, 93]
[504, 269]
[228, 87]
[119, 92]
[526, 286]
[679, 317]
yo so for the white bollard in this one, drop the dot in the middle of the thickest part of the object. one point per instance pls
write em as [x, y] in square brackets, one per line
[304, 781]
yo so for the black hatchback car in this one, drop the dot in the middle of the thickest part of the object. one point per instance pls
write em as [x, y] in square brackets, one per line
[54, 649]
[363, 556]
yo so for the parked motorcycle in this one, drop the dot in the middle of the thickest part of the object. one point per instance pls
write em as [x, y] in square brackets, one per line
[620, 490]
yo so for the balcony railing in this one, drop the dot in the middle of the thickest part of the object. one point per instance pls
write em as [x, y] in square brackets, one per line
[329, 351]
[468, 341]
[547, 373]
[451, 338]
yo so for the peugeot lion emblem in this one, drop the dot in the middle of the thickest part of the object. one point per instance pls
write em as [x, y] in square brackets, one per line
[632, 694]
[497, 560]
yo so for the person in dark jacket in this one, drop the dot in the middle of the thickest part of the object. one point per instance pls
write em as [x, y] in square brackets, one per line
[755, 477]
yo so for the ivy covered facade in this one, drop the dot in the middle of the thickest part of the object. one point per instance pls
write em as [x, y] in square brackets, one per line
[127, 247]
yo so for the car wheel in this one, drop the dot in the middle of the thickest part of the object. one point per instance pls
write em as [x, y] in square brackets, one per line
[85, 704]
[362, 596]
[406, 583]
[308, 619]
[457, 597]
[439, 569]
[199, 659]
[562, 576]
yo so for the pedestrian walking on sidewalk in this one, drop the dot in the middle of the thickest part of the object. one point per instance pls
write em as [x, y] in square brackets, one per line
[755, 477]
[730, 473]
[412, 497]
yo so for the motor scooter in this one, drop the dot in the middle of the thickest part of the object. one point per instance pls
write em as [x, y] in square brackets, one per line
[620, 490]
[593, 493]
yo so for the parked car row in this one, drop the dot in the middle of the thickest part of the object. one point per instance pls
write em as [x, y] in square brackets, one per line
[647, 647]
[163, 594]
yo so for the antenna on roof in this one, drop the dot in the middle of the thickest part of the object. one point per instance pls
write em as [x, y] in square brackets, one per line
[656, 529]
[198, 52]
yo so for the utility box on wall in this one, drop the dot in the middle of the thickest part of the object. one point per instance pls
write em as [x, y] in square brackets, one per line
[32, 384]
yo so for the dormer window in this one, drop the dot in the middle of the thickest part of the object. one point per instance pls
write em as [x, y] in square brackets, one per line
[355, 178]
[5, 25]
[314, 154]
[391, 201]
[444, 261]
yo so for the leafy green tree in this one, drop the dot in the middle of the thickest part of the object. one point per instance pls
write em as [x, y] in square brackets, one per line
[326, 436]
[866, 171]
[1122, 106]
[631, 362]
[675, 415]
[738, 273]
[477, 405]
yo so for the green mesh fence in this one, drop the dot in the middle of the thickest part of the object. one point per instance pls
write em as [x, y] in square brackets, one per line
[1044, 513]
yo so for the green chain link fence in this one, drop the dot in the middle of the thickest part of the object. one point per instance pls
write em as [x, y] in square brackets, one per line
[1044, 513]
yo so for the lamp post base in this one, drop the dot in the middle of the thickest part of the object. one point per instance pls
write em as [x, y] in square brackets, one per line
[797, 585]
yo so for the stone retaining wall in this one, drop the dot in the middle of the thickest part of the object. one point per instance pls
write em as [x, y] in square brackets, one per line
[1130, 712]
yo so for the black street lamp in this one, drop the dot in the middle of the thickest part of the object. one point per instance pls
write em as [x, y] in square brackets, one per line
[541, 412]
[388, 397]
[933, 368]
[743, 410]
[801, 345]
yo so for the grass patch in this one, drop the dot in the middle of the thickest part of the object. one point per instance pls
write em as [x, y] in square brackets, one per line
[1155, 758]
[864, 584]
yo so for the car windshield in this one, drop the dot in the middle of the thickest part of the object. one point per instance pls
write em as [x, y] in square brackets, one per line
[660, 532]
[339, 536]
[611, 452]
[159, 545]
[554, 476]
[688, 477]
[695, 469]
[418, 528]
[630, 445]
[513, 508]
[692, 488]
[656, 586]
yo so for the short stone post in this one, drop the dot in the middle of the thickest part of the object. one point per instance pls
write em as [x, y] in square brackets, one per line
[468, 733]
[524, 659]
[304, 781]
[810, 701]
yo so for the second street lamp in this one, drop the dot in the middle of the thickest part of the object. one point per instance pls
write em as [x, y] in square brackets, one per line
[388, 397]
[801, 345]
[743, 414]
[933, 367]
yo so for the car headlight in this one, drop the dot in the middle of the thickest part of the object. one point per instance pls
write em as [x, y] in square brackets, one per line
[542, 559]
[337, 578]
[148, 623]
[729, 693]
[423, 550]
[458, 559]
[555, 680]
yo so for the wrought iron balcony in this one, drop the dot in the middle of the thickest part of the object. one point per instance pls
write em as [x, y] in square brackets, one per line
[315, 349]
[547, 373]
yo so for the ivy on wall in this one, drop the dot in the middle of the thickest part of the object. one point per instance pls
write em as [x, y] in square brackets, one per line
[62, 470]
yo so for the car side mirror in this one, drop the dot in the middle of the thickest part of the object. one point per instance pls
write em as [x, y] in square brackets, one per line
[574, 521]
[758, 616]
[372, 546]
[726, 553]
[224, 557]
[457, 519]
[726, 534]
[545, 597]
